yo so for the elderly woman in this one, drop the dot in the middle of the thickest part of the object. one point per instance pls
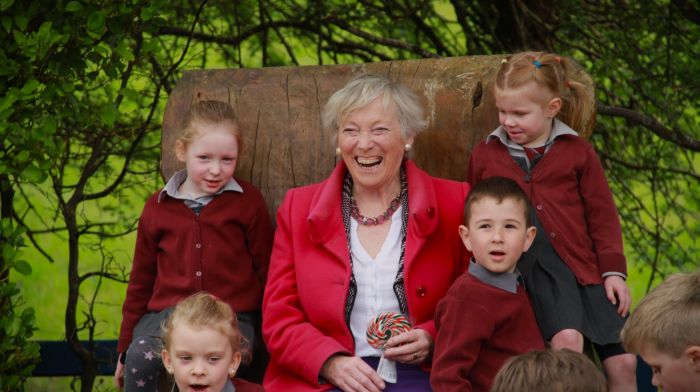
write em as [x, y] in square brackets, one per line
[378, 235]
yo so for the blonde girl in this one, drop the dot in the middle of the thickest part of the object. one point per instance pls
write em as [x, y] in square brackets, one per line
[202, 346]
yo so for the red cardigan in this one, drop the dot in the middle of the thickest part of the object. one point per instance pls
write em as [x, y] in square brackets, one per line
[303, 308]
[224, 250]
[571, 197]
[479, 327]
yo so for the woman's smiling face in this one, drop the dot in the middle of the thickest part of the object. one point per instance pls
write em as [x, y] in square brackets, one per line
[372, 146]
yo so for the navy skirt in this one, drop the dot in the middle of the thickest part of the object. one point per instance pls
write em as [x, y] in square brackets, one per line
[560, 302]
[409, 378]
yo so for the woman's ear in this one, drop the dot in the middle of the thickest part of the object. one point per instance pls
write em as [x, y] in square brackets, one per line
[553, 107]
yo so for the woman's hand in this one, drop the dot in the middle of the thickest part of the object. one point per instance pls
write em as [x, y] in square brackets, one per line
[618, 293]
[414, 347]
[351, 374]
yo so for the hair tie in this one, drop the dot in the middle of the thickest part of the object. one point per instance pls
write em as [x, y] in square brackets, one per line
[557, 59]
[538, 64]
[567, 84]
[503, 61]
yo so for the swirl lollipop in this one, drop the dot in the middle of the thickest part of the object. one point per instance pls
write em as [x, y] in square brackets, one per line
[379, 331]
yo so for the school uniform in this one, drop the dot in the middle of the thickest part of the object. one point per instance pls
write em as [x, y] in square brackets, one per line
[484, 319]
[579, 237]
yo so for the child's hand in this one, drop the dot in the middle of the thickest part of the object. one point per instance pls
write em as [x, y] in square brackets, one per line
[119, 375]
[618, 293]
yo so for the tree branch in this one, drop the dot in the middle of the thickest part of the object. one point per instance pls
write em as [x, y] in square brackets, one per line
[674, 136]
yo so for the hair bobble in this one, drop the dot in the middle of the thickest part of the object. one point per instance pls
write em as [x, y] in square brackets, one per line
[538, 64]
[504, 61]
[567, 83]
[557, 59]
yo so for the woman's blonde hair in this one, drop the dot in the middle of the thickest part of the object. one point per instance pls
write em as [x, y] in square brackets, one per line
[205, 310]
[559, 75]
[362, 90]
[208, 112]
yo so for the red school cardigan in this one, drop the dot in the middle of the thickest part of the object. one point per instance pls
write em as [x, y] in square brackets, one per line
[225, 250]
[572, 199]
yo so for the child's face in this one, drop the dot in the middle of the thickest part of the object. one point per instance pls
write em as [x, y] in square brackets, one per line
[200, 358]
[497, 233]
[210, 159]
[523, 115]
[671, 374]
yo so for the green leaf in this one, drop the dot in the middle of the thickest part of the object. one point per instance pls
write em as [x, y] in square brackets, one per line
[108, 115]
[22, 21]
[6, 23]
[33, 174]
[19, 37]
[30, 86]
[22, 267]
[96, 22]
[74, 6]
[5, 4]
[8, 252]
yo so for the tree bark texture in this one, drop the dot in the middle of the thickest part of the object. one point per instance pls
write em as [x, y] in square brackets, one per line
[279, 110]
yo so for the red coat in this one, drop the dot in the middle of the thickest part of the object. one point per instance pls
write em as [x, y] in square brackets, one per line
[303, 307]
[571, 197]
[224, 250]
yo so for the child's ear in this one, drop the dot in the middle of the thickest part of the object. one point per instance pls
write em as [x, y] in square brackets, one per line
[180, 150]
[693, 353]
[167, 361]
[529, 237]
[553, 107]
[464, 235]
[235, 363]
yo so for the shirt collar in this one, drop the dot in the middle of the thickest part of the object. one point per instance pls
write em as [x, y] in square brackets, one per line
[558, 129]
[178, 178]
[507, 281]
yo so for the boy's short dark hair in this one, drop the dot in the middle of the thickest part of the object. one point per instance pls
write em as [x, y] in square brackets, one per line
[499, 188]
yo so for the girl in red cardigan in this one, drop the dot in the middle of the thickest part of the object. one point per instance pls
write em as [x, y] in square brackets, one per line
[205, 231]
[578, 283]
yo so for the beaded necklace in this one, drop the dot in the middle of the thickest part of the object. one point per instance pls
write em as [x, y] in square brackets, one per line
[377, 220]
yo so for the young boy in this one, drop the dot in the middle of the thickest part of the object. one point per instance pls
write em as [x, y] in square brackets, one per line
[486, 317]
[665, 330]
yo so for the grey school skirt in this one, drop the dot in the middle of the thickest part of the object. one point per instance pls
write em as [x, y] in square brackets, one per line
[560, 302]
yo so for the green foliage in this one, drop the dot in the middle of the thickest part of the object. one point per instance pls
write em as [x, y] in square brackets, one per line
[18, 354]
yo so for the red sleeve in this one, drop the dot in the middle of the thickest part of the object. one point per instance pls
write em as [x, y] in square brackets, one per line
[601, 215]
[458, 342]
[259, 235]
[295, 343]
[473, 171]
[141, 279]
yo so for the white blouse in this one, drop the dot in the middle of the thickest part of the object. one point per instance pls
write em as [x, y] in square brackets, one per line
[375, 282]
